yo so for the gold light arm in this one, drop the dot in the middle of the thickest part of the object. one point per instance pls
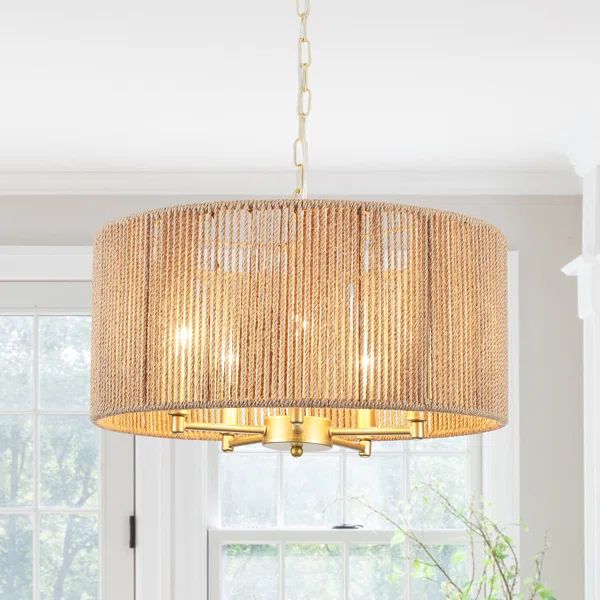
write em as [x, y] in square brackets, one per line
[180, 425]
[363, 446]
[225, 428]
[229, 442]
[416, 428]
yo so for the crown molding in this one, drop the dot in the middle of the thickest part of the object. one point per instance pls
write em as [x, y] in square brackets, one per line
[45, 263]
[278, 183]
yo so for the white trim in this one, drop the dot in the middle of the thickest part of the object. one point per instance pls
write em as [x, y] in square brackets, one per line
[277, 182]
[189, 503]
[328, 536]
[171, 513]
[153, 509]
[587, 270]
[117, 505]
[45, 263]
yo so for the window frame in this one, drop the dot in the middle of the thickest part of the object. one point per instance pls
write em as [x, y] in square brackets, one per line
[45, 290]
[343, 538]
[280, 536]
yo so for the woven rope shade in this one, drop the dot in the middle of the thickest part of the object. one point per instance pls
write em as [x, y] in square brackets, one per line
[326, 305]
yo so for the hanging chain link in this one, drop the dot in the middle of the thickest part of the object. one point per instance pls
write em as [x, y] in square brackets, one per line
[304, 101]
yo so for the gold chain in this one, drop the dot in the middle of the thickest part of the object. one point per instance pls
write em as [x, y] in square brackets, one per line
[304, 100]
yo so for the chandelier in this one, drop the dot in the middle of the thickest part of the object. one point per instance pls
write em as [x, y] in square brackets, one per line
[299, 324]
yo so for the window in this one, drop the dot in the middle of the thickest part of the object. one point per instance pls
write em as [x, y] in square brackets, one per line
[58, 473]
[49, 456]
[276, 524]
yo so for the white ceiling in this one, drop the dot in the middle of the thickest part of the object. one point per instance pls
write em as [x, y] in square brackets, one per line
[210, 85]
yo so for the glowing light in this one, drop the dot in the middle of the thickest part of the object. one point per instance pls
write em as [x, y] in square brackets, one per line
[184, 336]
[367, 361]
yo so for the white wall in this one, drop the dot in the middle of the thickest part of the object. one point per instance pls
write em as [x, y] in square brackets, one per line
[545, 231]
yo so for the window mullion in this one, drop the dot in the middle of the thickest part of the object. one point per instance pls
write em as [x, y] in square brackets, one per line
[35, 431]
[406, 458]
[345, 570]
[407, 497]
[408, 594]
[281, 545]
[282, 590]
[343, 487]
[280, 490]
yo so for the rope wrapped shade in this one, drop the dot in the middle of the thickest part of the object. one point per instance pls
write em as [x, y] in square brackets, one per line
[329, 306]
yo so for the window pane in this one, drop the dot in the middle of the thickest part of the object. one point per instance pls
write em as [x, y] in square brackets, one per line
[15, 557]
[248, 489]
[377, 482]
[68, 461]
[448, 474]
[65, 362]
[16, 360]
[69, 560]
[16, 461]
[451, 444]
[313, 571]
[427, 581]
[311, 490]
[250, 571]
[397, 446]
[376, 572]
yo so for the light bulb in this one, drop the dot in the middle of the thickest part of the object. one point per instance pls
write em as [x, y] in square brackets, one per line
[183, 336]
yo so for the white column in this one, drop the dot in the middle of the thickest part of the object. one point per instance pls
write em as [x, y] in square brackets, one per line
[586, 268]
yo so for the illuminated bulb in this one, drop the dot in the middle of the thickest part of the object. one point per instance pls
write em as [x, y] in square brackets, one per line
[183, 335]
[366, 362]
[228, 359]
[301, 324]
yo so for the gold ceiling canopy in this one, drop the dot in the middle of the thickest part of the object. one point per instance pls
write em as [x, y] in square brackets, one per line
[210, 321]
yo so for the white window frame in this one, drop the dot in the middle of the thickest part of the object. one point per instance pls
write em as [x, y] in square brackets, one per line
[171, 503]
[30, 277]
[281, 536]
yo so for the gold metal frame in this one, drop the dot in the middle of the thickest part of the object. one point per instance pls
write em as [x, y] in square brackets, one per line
[297, 430]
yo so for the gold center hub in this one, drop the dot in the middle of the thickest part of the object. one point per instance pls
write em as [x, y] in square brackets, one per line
[311, 434]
